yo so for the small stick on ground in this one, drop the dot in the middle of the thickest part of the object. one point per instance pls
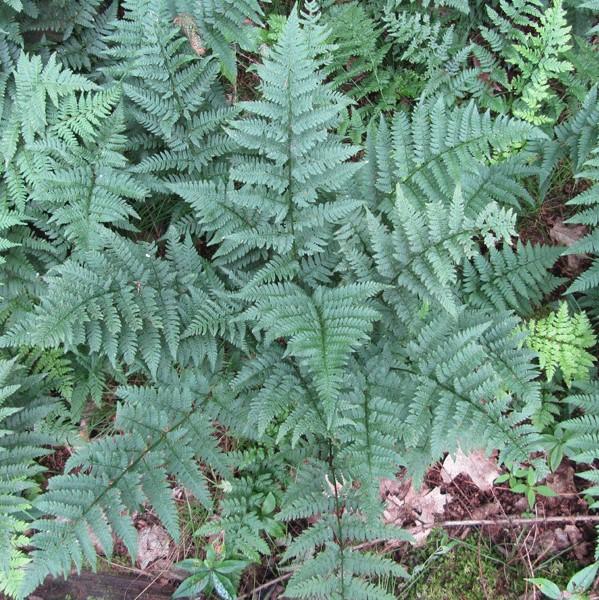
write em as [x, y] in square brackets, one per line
[520, 521]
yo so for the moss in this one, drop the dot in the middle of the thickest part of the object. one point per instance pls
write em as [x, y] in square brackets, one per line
[472, 570]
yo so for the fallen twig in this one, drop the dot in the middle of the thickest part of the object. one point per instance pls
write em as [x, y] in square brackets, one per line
[519, 521]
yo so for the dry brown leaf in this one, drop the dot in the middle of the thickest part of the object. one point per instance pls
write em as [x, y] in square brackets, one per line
[482, 470]
[411, 505]
[153, 544]
[189, 28]
[429, 505]
[562, 480]
[566, 234]
[392, 487]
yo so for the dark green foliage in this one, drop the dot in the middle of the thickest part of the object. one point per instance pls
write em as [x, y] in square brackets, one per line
[358, 65]
[121, 472]
[255, 308]
[509, 278]
[440, 147]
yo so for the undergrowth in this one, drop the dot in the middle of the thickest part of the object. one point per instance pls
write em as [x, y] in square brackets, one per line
[270, 255]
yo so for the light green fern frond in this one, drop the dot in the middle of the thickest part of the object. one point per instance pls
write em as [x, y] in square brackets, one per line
[562, 341]
[535, 40]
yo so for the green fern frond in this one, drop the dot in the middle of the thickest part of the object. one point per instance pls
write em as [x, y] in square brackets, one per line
[85, 188]
[20, 446]
[291, 163]
[120, 472]
[320, 330]
[8, 219]
[561, 341]
[171, 91]
[427, 244]
[516, 279]
[120, 302]
[454, 377]
[330, 567]
[589, 215]
[438, 147]
[533, 39]
[34, 84]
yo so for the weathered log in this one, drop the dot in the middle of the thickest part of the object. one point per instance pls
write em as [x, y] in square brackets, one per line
[103, 586]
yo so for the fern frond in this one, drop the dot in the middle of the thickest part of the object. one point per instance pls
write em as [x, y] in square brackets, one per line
[438, 147]
[115, 475]
[120, 302]
[589, 215]
[172, 93]
[320, 330]
[34, 84]
[427, 244]
[20, 446]
[453, 381]
[562, 341]
[516, 279]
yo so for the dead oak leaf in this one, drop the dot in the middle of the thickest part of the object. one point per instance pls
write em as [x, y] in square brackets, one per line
[482, 470]
[428, 505]
[153, 544]
[565, 234]
[415, 506]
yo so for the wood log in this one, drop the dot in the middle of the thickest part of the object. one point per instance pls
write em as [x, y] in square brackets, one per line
[103, 586]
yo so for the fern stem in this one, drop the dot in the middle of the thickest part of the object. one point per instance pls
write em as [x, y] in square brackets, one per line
[338, 509]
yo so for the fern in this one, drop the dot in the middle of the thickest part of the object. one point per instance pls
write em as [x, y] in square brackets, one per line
[588, 281]
[220, 24]
[278, 317]
[538, 56]
[581, 436]
[20, 446]
[121, 304]
[292, 163]
[562, 341]
[7, 220]
[34, 83]
[516, 279]
[427, 244]
[172, 93]
[84, 187]
[574, 138]
[320, 330]
[357, 65]
[120, 473]
[448, 368]
[440, 147]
